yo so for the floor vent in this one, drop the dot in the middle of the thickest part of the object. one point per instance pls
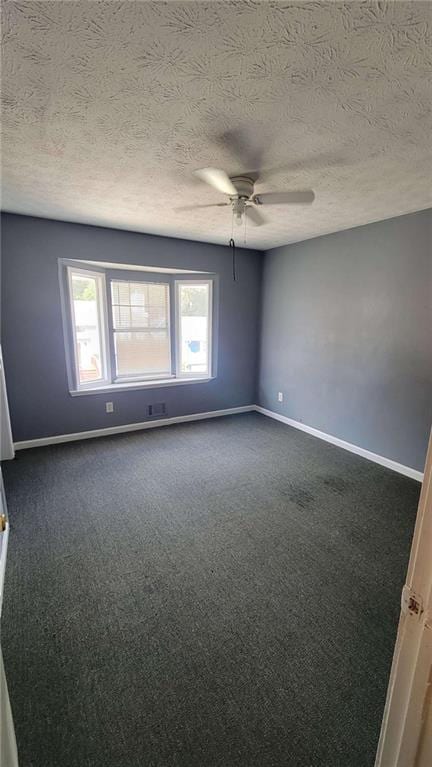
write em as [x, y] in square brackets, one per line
[159, 408]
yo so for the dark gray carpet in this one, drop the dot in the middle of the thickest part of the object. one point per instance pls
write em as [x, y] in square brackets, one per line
[215, 594]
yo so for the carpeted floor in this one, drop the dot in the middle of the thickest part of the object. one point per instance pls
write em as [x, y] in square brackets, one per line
[213, 594]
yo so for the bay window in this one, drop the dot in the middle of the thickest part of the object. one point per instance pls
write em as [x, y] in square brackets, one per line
[135, 330]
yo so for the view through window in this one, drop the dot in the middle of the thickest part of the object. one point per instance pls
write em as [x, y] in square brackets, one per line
[194, 336]
[86, 316]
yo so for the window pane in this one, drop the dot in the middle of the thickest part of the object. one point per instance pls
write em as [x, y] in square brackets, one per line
[87, 329]
[121, 316]
[141, 328]
[194, 328]
[138, 317]
[138, 294]
[139, 305]
[157, 295]
[123, 293]
[142, 353]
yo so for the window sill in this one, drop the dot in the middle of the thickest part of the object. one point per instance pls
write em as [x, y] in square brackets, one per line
[130, 385]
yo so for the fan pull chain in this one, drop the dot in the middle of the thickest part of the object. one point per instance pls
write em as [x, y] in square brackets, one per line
[232, 246]
[233, 251]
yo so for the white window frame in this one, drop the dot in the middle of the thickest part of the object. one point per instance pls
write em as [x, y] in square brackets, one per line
[110, 382]
[177, 286]
[102, 312]
[141, 377]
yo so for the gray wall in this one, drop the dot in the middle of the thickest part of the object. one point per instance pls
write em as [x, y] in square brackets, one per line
[347, 335]
[346, 331]
[32, 333]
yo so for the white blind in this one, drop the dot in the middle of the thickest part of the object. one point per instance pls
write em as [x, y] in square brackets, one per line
[141, 328]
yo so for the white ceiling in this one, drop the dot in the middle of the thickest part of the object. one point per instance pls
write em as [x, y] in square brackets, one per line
[110, 106]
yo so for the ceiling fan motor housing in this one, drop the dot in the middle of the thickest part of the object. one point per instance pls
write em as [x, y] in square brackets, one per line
[244, 186]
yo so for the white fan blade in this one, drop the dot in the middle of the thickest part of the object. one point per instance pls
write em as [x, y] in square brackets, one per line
[255, 215]
[305, 197]
[218, 179]
[211, 205]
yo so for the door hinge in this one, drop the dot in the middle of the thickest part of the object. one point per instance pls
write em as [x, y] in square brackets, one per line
[411, 603]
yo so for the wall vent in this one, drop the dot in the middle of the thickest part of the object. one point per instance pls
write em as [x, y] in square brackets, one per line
[156, 410]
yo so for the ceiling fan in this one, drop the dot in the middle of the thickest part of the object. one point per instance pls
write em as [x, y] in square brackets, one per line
[242, 198]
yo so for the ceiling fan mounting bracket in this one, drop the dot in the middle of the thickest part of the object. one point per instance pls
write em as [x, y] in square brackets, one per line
[244, 186]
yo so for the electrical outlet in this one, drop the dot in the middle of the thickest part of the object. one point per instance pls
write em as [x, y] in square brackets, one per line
[280, 396]
[109, 407]
[159, 408]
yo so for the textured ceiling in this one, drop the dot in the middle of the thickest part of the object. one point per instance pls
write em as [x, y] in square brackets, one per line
[109, 107]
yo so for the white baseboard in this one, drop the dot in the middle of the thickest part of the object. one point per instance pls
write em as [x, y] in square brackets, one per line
[57, 438]
[387, 462]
